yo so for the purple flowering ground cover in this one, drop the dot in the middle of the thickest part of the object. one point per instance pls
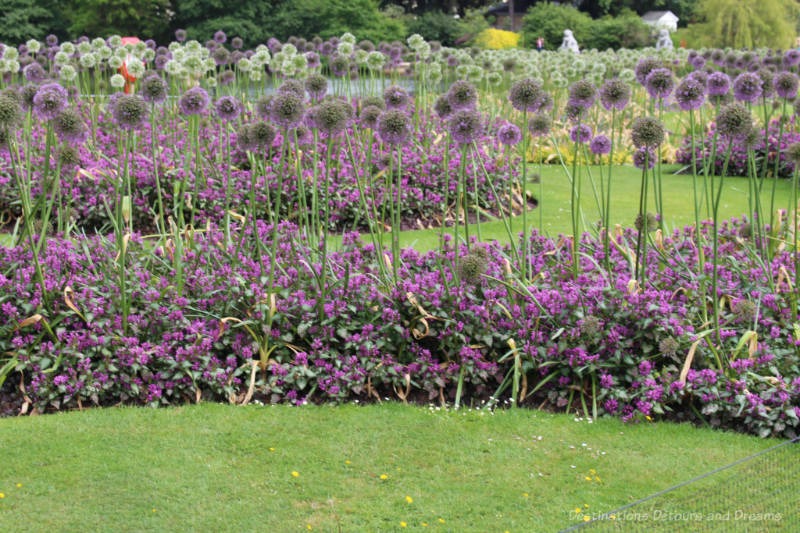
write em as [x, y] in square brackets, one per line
[598, 343]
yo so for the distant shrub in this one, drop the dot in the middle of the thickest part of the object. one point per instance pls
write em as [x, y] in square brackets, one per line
[495, 39]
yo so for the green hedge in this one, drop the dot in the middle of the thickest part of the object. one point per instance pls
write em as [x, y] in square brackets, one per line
[550, 20]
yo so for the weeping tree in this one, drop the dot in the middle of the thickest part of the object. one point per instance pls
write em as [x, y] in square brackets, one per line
[748, 23]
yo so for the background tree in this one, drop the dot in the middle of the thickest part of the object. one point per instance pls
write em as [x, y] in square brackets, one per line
[332, 18]
[30, 19]
[550, 20]
[747, 23]
[436, 26]
[101, 18]
[251, 21]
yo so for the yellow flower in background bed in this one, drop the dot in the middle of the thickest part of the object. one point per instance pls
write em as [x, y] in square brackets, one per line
[495, 39]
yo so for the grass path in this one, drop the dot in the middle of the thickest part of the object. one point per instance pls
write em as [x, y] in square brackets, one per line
[224, 468]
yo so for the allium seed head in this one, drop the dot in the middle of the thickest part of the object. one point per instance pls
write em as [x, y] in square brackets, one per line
[615, 94]
[647, 132]
[526, 95]
[734, 121]
[394, 126]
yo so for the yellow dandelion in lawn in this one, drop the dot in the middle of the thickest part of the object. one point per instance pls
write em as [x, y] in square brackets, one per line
[592, 471]
[586, 518]
[19, 485]
[308, 527]
[524, 494]
[2, 495]
[295, 473]
[587, 478]
[154, 510]
[272, 449]
[597, 479]
[612, 517]
[409, 499]
[577, 510]
[347, 462]
[441, 520]
[403, 524]
[586, 505]
[384, 476]
[648, 418]
[424, 524]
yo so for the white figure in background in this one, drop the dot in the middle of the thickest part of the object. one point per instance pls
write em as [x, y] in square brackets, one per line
[569, 43]
[664, 40]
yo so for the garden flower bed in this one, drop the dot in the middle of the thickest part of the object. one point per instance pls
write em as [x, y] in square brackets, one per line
[189, 233]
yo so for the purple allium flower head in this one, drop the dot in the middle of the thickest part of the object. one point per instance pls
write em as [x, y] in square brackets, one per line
[220, 37]
[526, 95]
[194, 101]
[226, 77]
[316, 85]
[395, 97]
[34, 73]
[509, 134]
[227, 108]
[615, 94]
[180, 35]
[10, 112]
[442, 107]
[287, 108]
[465, 125]
[690, 94]
[128, 110]
[767, 77]
[50, 99]
[331, 116]
[369, 116]
[600, 145]
[659, 83]
[747, 87]
[27, 93]
[647, 131]
[221, 56]
[718, 83]
[791, 58]
[786, 84]
[698, 62]
[70, 126]
[339, 65]
[292, 86]
[582, 93]
[394, 126]
[644, 67]
[51, 40]
[539, 124]
[462, 95]
[734, 121]
[237, 43]
[581, 133]
[643, 155]
[153, 89]
[312, 60]
[700, 76]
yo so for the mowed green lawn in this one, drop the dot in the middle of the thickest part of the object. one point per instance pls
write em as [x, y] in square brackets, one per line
[358, 468]
[678, 190]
